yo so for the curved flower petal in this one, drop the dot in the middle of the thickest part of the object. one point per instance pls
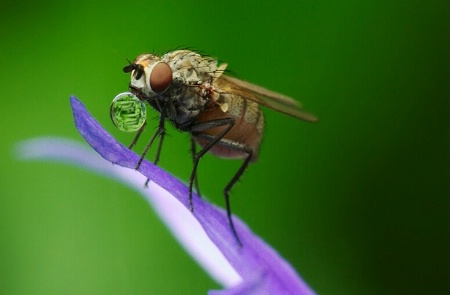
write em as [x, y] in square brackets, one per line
[254, 268]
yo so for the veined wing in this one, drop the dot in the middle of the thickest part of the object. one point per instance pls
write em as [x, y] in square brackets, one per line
[265, 97]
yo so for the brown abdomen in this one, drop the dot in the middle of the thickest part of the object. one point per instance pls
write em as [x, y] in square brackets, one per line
[248, 128]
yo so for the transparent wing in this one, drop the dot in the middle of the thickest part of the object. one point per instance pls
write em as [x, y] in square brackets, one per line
[265, 97]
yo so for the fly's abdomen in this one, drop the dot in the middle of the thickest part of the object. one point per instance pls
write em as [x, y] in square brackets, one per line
[247, 130]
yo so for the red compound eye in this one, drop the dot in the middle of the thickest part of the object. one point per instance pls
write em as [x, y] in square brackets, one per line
[161, 77]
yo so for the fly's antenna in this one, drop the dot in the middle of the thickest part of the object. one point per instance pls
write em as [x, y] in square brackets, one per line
[139, 69]
[131, 66]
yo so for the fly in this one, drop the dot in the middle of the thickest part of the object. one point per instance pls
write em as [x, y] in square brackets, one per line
[221, 113]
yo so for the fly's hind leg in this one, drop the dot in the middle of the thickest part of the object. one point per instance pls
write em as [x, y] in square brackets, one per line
[229, 186]
[237, 147]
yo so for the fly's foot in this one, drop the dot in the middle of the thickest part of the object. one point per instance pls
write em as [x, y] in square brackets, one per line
[191, 205]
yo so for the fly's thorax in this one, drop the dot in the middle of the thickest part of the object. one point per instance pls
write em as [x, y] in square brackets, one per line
[190, 67]
[192, 74]
[187, 101]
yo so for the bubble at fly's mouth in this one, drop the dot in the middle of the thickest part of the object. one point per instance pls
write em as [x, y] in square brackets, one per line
[128, 112]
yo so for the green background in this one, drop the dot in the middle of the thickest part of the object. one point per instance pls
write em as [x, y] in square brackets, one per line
[358, 203]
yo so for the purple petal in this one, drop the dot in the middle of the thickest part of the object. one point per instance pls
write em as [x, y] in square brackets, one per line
[255, 268]
[180, 221]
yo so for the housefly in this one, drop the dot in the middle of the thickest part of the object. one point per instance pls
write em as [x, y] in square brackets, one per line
[221, 113]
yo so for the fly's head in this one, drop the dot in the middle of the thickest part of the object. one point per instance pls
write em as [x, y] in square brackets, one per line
[150, 76]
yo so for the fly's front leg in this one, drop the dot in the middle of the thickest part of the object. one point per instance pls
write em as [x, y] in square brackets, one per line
[138, 134]
[161, 132]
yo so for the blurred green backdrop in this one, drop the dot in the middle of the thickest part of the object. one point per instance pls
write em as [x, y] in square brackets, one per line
[358, 203]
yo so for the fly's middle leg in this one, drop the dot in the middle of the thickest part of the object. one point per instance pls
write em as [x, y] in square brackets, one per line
[197, 129]
[194, 152]
[160, 132]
